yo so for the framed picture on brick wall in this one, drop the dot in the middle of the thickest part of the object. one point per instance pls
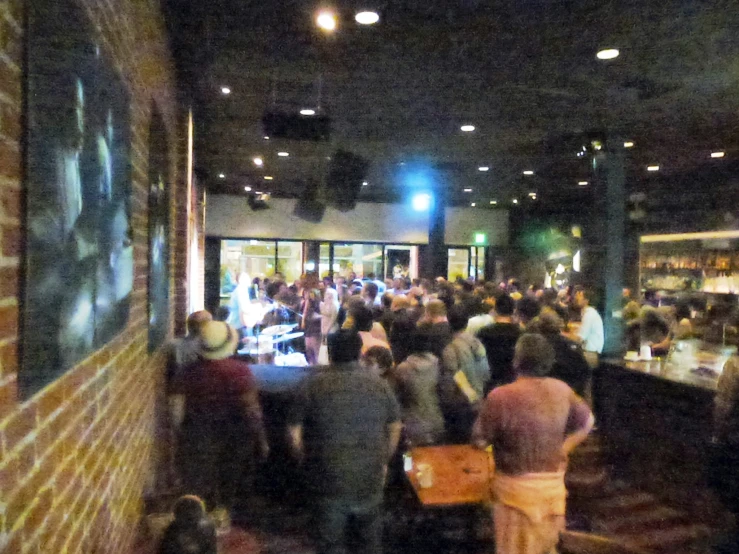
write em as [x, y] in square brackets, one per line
[158, 232]
[78, 252]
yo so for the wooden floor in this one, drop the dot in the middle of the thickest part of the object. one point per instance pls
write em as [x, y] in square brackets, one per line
[599, 505]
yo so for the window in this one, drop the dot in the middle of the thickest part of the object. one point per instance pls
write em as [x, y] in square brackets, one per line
[459, 263]
[290, 260]
[361, 259]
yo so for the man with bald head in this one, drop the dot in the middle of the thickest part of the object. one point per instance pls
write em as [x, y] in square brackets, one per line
[183, 351]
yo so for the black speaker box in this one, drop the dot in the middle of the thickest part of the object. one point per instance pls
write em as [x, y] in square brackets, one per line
[309, 207]
[293, 126]
[345, 176]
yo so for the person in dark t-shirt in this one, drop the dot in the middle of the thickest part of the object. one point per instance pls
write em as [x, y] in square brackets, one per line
[345, 426]
[499, 340]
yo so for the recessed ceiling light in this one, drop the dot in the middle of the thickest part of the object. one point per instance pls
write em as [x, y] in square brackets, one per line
[483, 168]
[629, 144]
[268, 178]
[266, 137]
[493, 202]
[473, 204]
[582, 183]
[608, 54]
[247, 189]
[532, 194]
[307, 112]
[718, 154]
[365, 183]
[528, 172]
[367, 18]
[467, 128]
[258, 192]
[652, 168]
[327, 21]
[468, 190]
[225, 90]
[283, 154]
[515, 201]
[259, 162]
[221, 175]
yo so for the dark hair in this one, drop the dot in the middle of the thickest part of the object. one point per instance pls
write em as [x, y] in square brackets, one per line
[528, 308]
[362, 315]
[458, 318]
[222, 313]
[344, 346]
[371, 289]
[387, 300]
[549, 297]
[533, 356]
[420, 343]
[505, 305]
[380, 355]
[189, 510]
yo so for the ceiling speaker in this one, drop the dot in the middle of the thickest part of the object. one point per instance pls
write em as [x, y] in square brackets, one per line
[344, 181]
[293, 126]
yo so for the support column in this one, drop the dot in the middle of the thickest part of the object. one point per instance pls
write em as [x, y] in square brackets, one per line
[437, 257]
[312, 255]
[605, 240]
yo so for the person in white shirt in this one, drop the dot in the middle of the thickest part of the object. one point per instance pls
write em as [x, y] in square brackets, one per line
[591, 327]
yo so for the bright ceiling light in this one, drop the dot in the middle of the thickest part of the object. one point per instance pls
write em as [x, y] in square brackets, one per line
[493, 202]
[652, 168]
[268, 178]
[718, 154]
[515, 201]
[467, 128]
[221, 175]
[225, 90]
[283, 154]
[468, 190]
[532, 194]
[259, 162]
[327, 21]
[367, 18]
[258, 192]
[365, 183]
[473, 204]
[528, 172]
[307, 112]
[247, 189]
[582, 183]
[266, 137]
[629, 144]
[608, 54]
[483, 168]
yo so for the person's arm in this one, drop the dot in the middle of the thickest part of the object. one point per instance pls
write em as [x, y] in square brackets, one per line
[581, 421]
[176, 404]
[583, 332]
[393, 431]
[727, 394]
[295, 440]
[483, 428]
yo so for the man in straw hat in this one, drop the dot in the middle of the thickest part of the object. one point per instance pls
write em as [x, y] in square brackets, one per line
[221, 429]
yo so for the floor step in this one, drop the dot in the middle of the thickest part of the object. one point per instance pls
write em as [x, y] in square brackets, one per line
[672, 539]
[659, 517]
[624, 502]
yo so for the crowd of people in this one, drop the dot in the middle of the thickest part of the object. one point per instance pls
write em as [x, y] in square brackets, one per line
[408, 364]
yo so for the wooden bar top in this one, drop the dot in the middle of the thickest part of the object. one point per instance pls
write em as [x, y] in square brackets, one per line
[461, 475]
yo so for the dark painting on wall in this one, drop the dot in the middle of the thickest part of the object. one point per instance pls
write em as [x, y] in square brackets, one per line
[78, 252]
[158, 232]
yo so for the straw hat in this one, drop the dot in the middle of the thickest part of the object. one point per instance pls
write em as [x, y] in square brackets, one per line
[218, 340]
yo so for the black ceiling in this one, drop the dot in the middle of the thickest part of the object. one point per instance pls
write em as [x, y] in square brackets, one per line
[524, 72]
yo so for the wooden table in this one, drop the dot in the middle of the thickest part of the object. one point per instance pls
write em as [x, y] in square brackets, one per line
[462, 475]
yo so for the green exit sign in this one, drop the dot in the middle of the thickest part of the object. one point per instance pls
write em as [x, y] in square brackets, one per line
[481, 238]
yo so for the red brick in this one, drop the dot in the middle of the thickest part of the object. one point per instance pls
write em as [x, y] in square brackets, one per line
[19, 426]
[10, 160]
[26, 461]
[8, 282]
[39, 512]
[8, 477]
[8, 317]
[8, 397]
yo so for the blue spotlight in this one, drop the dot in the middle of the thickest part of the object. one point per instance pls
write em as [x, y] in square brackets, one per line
[422, 202]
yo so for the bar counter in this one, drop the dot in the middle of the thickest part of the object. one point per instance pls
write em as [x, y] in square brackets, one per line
[655, 422]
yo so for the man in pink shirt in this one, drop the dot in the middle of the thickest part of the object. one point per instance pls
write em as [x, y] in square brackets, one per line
[533, 424]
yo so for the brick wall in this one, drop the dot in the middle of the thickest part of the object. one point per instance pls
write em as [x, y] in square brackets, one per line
[75, 458]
